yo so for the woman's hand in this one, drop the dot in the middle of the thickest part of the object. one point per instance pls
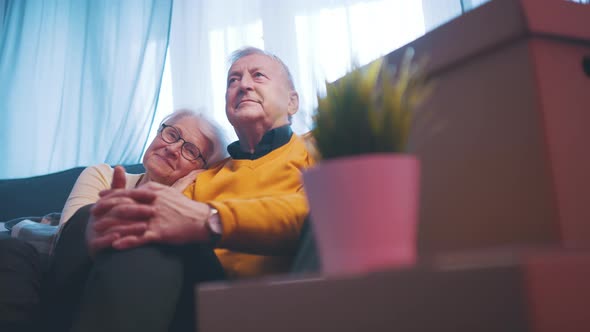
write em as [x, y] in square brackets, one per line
[185, 181]
[176, 220]
[117, 213]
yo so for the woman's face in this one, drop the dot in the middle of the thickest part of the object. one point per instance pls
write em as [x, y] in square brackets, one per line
[164, 162]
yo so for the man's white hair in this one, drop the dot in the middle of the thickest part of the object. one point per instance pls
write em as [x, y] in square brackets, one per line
[249, 50]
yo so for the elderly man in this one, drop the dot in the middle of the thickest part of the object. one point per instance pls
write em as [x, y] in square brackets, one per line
[152, 244]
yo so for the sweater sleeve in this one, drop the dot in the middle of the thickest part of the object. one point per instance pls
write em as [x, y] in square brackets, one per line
[91, 181]
[263, 226]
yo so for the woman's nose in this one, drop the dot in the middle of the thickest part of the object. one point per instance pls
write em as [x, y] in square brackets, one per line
[175, 148]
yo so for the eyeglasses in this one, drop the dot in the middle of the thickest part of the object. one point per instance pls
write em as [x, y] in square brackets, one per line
[188, 150]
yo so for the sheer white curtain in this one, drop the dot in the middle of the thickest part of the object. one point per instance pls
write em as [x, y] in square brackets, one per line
[318, 39]
[79, 81]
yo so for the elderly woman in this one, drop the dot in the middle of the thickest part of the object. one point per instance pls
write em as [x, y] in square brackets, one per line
[186, 144]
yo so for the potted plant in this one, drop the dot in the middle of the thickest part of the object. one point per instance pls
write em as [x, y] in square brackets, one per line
[363, 193]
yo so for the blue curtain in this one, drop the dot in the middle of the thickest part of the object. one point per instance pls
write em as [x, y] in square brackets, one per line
[79, 81]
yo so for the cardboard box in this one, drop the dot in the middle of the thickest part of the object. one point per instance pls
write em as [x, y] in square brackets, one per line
[504, 152]
[535, 292]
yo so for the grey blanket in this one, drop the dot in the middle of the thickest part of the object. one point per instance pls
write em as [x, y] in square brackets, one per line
[40, 232]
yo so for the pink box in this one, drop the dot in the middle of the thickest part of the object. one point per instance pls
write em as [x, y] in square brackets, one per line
[510, 163]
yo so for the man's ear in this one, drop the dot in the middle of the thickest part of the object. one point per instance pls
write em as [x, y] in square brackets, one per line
[293, 106]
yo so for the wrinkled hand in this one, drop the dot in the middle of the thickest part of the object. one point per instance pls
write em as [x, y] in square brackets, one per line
[118, 213]
[176, 220]
[186, 180]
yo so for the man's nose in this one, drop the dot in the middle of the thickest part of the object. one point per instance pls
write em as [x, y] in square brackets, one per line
[246, 82]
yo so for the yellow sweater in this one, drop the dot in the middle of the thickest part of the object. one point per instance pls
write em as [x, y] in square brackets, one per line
[261, 205]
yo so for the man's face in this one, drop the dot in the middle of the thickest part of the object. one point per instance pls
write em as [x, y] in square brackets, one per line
[258, 93]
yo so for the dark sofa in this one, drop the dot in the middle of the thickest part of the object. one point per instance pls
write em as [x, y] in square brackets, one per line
[39, 195]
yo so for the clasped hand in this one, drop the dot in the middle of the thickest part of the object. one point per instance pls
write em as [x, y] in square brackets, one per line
[152, 213]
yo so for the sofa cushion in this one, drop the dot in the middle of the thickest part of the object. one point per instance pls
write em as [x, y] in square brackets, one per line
[307, 259]
[36, 196]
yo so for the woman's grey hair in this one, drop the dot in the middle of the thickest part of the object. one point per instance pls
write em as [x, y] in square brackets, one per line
[249, 50]
[209, 128]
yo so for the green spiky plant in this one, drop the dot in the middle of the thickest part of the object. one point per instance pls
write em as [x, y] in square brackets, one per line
[370, 110]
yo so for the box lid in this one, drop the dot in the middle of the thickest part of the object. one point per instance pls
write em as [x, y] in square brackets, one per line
[499, 23]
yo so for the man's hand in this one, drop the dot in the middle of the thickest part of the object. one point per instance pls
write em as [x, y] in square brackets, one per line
[176, 220]
[117, 213]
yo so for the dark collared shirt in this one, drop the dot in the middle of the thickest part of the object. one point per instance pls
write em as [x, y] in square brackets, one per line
[273, 139]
